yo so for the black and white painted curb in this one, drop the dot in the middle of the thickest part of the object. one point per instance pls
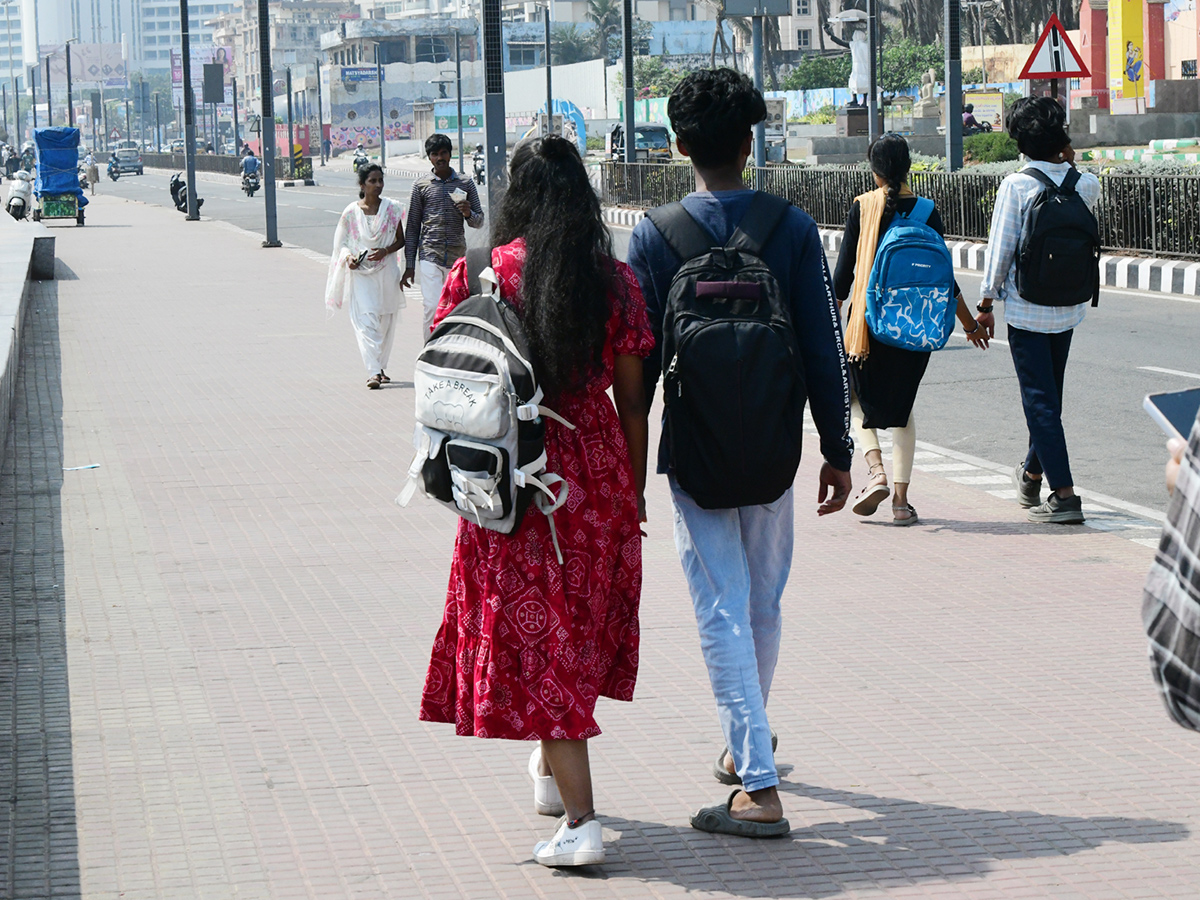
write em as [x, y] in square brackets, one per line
[1164, 276]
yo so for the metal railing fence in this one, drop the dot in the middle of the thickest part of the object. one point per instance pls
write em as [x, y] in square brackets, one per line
[1156, 215]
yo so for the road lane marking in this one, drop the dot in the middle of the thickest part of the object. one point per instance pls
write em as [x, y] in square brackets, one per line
[1169, 372]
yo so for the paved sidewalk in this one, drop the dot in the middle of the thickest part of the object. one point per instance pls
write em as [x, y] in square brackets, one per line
[213, 644]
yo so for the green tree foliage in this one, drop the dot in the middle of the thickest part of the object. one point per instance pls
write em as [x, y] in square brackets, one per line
[819, 72]
[905, 61]
[652, 77]
[606, 16]
[572, 44]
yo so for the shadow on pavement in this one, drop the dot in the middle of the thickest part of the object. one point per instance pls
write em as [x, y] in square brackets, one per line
[896, 843]
[39, 847]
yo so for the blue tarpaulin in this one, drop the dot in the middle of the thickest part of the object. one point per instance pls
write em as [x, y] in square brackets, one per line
[58, 162]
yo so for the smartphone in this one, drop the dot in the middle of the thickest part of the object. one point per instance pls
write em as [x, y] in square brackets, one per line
[358, 260]
[1174, 412]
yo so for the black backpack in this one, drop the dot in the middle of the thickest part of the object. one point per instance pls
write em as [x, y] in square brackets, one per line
[1058, 259]
[733, 382]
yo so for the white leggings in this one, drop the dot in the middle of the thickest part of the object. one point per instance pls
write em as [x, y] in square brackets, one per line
[904, 441]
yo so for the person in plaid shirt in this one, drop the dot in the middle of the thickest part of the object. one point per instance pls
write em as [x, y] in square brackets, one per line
[434, 238]
[1171, 600]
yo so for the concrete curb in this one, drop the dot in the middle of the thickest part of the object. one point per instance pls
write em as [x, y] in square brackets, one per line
[1162, 276]
[18, 246]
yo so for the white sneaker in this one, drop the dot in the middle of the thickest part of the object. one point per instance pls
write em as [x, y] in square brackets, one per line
[546, 799]
[582, 846]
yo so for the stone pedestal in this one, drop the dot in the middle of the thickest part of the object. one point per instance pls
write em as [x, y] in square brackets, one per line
[851, 121]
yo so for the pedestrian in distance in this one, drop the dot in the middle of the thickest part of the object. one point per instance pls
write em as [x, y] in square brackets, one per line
[739, 330]
[435, 239]
[364, 272]
[93, 171]
[884, 378]
[530, 640]
[1042, 260]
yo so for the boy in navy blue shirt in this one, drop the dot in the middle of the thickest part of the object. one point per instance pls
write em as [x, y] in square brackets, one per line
[737, 560]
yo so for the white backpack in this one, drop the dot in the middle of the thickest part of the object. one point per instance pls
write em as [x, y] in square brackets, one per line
[480, 429]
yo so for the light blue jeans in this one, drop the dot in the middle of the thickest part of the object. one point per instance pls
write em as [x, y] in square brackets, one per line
[736, 562]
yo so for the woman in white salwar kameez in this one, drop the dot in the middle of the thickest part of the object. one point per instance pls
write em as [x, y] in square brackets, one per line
[371, 283]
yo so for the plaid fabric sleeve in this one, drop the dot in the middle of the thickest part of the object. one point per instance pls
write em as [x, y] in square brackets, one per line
[1171, 600]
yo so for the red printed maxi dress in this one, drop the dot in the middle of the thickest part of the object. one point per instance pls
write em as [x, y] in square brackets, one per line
[526, 646]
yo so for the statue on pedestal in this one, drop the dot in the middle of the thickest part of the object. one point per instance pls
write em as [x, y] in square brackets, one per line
[927, 107]
[859, 46]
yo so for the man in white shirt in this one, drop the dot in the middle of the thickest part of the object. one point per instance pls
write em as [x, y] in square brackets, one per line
[1039, 336]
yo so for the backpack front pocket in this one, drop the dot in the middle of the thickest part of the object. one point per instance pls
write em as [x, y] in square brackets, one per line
[478, 479]
[471, 403]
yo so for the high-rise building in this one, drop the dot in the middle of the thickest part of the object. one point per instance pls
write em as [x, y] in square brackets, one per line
[158, 29]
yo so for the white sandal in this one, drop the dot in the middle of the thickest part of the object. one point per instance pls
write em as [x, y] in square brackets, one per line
[546, 800]
[871, 496]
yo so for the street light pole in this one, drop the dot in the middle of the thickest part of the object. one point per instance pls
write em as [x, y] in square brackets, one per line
[70, 105]
[458, 94]
[13, 75]
[873, 70]
[189, 113]
[760, 129]
[549, 79]
[382, 122]
[291, 131]
[627, 60]
[237, 138]
[157, 125]
[267, 123]
[49, 111]
[320, 116]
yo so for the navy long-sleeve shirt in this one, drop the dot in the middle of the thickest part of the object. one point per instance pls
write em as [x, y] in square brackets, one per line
[797, 259]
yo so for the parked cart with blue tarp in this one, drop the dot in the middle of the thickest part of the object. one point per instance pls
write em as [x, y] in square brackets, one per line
[57, 186]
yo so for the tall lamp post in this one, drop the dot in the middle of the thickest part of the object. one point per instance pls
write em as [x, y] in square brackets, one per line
[189, 113]
[267, 123]
[13, 75]
[320, 117]
[70, 105]
[382, 121]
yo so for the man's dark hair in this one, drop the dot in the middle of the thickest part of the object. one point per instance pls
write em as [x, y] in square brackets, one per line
[712, 111]
[1038, 125]
[436, 142]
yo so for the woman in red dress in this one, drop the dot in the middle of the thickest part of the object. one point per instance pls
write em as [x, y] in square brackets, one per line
[527, 644]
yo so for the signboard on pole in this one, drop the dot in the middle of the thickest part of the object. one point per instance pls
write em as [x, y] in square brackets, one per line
[1054, 56]
[758, 7]
[359, 74]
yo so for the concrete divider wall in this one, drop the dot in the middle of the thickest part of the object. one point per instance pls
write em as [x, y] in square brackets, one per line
[17, 241]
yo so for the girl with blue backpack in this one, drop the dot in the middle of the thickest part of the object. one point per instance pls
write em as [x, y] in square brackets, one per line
[903, 303]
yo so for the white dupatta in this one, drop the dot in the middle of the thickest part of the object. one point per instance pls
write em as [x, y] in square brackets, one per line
[355, 233]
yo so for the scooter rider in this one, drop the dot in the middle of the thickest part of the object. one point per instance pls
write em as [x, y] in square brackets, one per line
[249, 164]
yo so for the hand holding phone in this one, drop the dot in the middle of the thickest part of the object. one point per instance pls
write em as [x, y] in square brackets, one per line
[1174, 411]
[358, 260]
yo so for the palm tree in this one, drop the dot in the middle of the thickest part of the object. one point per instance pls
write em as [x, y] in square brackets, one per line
[606, 15]
[568, 44]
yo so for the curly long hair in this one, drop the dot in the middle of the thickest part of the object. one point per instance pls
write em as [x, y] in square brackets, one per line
[568, 273]
[891, 161]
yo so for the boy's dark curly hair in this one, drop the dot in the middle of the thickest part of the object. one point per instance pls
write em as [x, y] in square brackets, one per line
[436, 142]
[711, 111]
[1038, 125]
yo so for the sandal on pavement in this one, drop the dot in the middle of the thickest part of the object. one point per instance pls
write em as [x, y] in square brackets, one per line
[373, 383]
[546, 799]
[872, 495]
[909, 517]
[719, 820]
[723, 775]
[383, 378]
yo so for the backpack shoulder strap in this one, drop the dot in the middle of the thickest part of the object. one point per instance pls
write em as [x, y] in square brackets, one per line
[1069, 182]
[478, 259]
[758, 223]
[1041, 176]
[922, 211]
[682, 233]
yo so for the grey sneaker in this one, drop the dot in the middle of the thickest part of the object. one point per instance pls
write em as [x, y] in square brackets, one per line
[1029, 490]
[1058, 510]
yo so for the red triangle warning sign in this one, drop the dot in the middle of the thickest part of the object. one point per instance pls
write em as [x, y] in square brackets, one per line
[1054, 56]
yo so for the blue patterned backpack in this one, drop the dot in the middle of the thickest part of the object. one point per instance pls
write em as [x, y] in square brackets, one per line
[910, 294]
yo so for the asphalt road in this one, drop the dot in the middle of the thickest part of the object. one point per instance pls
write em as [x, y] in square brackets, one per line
[968, 401]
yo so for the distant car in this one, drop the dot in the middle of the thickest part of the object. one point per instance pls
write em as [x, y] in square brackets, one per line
[652, 142]
[129, 160]
[177, 145]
